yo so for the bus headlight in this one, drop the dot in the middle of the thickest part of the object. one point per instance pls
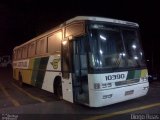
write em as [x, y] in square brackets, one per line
[96, 85]
[146, 88]
[144, 78]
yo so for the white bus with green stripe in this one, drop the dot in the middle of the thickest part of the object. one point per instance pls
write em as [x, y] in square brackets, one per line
[89, 60]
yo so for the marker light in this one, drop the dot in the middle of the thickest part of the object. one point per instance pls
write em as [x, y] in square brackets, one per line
[134, 46]
[136, 58]
[64, 42]
[102, 37]
[101, 52]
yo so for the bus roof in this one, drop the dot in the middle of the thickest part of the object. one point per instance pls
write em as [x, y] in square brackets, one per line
[81, 18]
[92, 18]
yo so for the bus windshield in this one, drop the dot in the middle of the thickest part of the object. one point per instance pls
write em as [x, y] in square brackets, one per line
[115, 47]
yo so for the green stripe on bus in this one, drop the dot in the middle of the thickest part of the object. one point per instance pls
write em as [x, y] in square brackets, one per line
[137, 74]
[41, 72]
[43, 63]
[130, 75]
[35, 72]
[36, 63]
[134, 74]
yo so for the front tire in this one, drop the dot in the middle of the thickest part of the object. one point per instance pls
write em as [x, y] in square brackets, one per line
[58, 89]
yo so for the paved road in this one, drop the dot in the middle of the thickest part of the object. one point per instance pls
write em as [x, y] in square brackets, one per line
[30, 103]
[11, 94]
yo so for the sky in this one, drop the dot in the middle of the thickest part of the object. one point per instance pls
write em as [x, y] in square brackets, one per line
[21, 20]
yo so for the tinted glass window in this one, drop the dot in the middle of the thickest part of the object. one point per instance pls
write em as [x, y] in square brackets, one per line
[75, 29]
[32, 49]
[54, 42]
[133, 48]
[113, 47]
[24, 52]
[19, 53]
[105, 48]
[41, 46]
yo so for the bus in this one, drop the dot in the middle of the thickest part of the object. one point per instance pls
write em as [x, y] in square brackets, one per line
[90, 60]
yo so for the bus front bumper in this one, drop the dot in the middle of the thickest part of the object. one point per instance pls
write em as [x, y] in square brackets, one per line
[99, 98]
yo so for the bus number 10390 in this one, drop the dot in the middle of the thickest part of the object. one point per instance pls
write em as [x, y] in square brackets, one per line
[114, 77]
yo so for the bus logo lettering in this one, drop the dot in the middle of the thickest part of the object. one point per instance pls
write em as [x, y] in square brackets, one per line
[55, 63]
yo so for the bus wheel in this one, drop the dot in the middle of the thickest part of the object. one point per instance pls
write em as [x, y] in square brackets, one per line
[20, 82]
[58, 89]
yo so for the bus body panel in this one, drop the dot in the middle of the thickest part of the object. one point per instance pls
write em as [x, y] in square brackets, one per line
[26, 76]
[106, 97]
[39, 72]
[53, 70]
[16, 74]
[49, 80]
[67, 89]
[116, 79]
[110, 88]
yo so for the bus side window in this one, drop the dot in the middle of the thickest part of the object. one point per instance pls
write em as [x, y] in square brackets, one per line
[54, 42]
[19, 53]
[24, 52]
[16, 54]
[41, 46]
[32, 49]
[75, 29]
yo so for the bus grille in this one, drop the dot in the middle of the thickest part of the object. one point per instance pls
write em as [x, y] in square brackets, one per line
[126, 82]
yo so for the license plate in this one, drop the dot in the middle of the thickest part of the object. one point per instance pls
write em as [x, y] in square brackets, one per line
[129, 92]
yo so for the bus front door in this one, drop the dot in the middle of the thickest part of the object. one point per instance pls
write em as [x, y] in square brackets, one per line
[75, 71]
[67, 89]
[79, 70]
